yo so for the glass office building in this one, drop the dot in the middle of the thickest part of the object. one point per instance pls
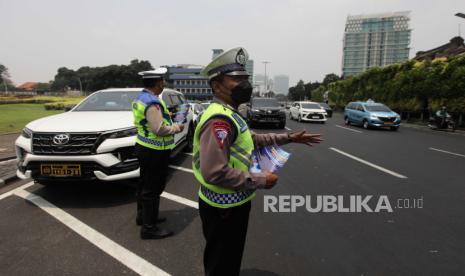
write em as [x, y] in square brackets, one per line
[375, 40]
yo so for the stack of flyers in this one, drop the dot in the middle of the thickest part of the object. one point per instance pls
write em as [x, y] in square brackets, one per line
[269, 158]
[181, 114]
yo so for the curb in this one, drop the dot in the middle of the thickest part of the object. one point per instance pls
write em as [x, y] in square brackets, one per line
[7, 158]
[5, 181]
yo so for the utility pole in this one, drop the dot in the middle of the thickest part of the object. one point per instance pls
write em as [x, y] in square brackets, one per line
[266, 78]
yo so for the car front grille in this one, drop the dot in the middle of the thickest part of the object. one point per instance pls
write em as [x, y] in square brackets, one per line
[78, 144]
[387, 119]
[314, 115]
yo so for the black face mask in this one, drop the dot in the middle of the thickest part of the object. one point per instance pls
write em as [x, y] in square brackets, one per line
[242, 92]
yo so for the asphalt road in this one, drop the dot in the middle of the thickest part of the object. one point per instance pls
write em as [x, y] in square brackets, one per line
[90, 229]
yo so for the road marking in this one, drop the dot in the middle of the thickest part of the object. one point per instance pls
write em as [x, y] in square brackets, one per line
[22, 187]
[124, 256]
[449, 152]
[349, 129]
[181, 169]
[369, 163]
[181, 200]
[287, 128]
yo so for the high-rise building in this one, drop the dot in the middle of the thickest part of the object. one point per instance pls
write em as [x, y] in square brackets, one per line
[281, 84]
[375, 40]
[216, 52]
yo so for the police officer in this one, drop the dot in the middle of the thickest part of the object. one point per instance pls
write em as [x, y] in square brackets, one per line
[223, 145]
[154, 142]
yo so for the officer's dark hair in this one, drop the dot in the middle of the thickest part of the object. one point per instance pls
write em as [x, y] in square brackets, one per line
[150, 83]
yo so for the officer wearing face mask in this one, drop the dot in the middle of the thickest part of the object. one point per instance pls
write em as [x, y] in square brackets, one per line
[223, 144]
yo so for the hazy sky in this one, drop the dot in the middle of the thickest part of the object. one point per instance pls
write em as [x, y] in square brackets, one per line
[301, 38]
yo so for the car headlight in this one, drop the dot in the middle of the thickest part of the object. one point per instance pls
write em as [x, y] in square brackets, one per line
[255, 110]
[26, 133]
[123, 133]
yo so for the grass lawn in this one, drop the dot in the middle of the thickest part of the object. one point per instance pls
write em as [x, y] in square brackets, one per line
[13, 117]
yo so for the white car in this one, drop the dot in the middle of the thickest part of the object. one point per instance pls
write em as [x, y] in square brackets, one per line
[307, 111]
[93, 141]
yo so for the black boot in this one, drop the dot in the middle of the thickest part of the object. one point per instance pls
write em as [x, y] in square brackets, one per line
[149, 229]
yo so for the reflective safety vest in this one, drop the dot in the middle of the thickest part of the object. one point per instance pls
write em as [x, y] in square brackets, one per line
[145, 136]
[239, 159]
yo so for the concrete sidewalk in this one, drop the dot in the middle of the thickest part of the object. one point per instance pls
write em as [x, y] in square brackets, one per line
[7, 152]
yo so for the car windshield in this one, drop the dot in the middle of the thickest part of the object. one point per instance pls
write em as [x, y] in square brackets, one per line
[311, 106]
[265, 102]
[377, 108]
[108, 101]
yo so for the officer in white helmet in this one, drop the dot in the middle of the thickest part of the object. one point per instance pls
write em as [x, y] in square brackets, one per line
[154, 142]
[223, 144]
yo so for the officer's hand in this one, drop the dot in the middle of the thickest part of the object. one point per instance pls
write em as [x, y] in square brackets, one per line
[180, 127]
[271, 180]
[303, 138]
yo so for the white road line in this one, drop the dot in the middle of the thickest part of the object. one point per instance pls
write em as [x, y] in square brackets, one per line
[22, 187]
[287, 128]
[369, 163]
[181, 200]
[449, 152]
[181, 169]
[124, 256]
[349, 129]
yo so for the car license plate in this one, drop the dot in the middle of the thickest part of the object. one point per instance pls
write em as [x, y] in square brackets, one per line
[60, 169]
[315, 117]
[270, 119]
[388, 123]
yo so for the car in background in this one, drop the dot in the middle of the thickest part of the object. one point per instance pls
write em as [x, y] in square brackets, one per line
[93, 141]
[264, 111]
[371, 114]
[327, 108]
[197, 109]
[205, 104]
[307, 111]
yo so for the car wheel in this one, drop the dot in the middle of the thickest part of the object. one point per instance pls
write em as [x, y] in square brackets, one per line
[290, 116]
[299, 118]
[347, 121]
[365, 124]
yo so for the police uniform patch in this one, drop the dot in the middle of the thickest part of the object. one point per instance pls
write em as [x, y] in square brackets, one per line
[221, 131]
[240, 121]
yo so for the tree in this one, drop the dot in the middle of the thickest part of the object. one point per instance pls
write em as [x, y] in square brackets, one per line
[330, 78]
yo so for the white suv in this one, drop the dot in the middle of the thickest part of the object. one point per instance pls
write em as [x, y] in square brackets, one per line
[93, 141]
[307, 111]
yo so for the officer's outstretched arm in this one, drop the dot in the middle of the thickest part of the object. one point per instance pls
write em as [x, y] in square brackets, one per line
[266, 139]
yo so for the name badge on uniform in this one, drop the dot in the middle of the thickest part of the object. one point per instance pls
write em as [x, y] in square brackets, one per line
[240, 121]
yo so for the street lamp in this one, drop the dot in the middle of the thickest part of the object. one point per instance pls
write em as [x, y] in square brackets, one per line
[459, 14]
[266, 62]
